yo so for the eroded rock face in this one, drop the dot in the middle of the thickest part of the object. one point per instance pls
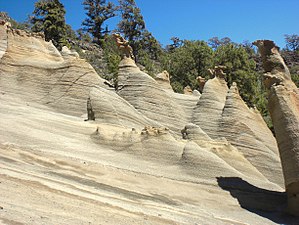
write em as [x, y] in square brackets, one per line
[37, 71]
[148, 97]
[3, 40]
[188, 90]
[208, 111]
[134, 131]
[164, 80]
[201, 81]
[221, 113]
[245, 128]
[283, 106]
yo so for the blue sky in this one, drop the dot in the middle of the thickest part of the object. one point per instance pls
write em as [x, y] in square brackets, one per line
[194, 19]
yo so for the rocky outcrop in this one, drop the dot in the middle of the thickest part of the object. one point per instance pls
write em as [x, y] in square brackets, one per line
[67, 53]
[245, 129]
[142, 143]
[221, 113]
[163, 80]
[110, 108]
[283, 104]
[201, 83]
[208, 111]
[3, 40]
[187, 90]
[146, 95]
[37, 71]
[142, 149]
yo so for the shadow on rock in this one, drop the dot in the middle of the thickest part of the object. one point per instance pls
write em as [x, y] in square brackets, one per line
[265, 203]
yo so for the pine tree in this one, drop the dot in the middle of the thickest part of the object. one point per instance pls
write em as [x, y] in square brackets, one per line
[49, 17]
[132, 24]
[98, 11]
[240, 69]
[185, 63]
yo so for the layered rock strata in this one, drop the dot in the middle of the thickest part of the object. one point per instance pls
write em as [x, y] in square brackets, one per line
[146, 95]
[283, 104]
[37, 71]
[143, 152]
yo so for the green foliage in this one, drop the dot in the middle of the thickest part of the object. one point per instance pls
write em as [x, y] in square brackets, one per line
[176, 43]
[132, 24]
[294, 70]
[215, 42]
[14, 24]
[48, 16]
[150, 45]
[185, 63]
[146, 49]
[292, 42]
[83, 36]
[98, 11]
[112, 58]
[240, 69]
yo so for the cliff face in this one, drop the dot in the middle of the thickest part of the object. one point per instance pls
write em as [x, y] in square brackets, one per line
[284, 109]
[150, 156]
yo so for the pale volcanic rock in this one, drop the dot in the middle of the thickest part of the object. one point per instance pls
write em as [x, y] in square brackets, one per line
[163, 80]
[187, 90]
[221, 113]
[283, 105]
[3, 41]
[145, 94]
[195, 133]
[127, 164]
[223, 149]
[110, 108]
[143, 143]
[195, 156]
[36, 70]
[185, 102]
[201, 82]
[208, 111]
[245, 129]
[67, 53]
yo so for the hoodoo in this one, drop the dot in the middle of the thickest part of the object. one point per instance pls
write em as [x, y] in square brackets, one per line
[283, 105]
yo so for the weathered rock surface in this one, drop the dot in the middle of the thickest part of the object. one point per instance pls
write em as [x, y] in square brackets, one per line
[163, 80]
[110, 108]
[208, 111]
[221, 113]
[36, 70]
[245, 129]
[3, 41]
[283, 106]
[146, 95]
[130, 165]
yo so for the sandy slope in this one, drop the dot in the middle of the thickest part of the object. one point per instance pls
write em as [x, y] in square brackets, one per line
[52, 173]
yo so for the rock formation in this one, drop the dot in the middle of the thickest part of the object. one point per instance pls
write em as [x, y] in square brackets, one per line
[201, 82]
[148, 97]
[283, 104]
[164, 80]
[90, 112]
[38, 72]
[146, 155]
[123, 46]
[208, 111]
[3, 38]
[188, 90]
